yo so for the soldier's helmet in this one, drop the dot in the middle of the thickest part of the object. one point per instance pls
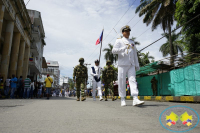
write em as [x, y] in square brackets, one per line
[81, 59]
[108, 61]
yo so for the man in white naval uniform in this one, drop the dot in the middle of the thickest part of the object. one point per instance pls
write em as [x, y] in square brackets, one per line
[96, 82]
[127, 64]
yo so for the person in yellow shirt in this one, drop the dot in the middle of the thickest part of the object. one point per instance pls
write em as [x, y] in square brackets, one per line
[48, 81]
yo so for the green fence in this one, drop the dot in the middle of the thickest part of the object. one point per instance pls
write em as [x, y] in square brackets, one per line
[179, 82]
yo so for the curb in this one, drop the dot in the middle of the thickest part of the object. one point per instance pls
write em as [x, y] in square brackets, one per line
[194, 99]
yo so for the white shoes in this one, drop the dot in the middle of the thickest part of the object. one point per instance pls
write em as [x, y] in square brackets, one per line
[100, 98]
[137, 102]
[123, 102]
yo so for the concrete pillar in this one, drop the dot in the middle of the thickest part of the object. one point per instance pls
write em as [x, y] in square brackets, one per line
[2, 9]
[14, 53]
[5, 60]
[20, 59]
[26, 62]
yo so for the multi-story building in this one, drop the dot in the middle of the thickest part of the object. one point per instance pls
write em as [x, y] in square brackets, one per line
[37, 44]
[15, 37]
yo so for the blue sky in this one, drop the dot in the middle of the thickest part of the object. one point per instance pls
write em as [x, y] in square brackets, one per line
[72, 28]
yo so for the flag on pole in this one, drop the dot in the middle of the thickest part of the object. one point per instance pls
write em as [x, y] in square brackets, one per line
[99, 40]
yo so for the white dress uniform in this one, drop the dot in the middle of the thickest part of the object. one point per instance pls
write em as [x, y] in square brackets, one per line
[127, 64]
[96, 84]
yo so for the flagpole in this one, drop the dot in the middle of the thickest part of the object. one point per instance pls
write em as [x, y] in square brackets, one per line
[100, 49]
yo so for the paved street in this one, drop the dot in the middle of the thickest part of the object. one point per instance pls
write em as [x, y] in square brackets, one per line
[65, 115]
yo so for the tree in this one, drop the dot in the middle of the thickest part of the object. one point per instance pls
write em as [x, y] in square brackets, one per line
[109, 55]
[176, 43]
[185, 11]
[159, 12]
[136, 42]
[144, 58]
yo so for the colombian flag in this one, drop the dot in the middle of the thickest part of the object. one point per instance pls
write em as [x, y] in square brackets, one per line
[99, 40]
[30, 58]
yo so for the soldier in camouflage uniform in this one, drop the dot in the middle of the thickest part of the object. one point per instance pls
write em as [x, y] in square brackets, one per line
[80, 76]
[108, 78]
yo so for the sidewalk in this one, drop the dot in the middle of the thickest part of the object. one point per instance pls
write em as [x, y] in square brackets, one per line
[165, 98]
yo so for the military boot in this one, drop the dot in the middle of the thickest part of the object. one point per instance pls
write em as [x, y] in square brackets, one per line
[78, 99]
[106, 99]
[113, 99]
[83, 99]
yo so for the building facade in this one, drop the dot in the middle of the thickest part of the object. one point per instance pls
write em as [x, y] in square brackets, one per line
[37, 44]
[15, 38]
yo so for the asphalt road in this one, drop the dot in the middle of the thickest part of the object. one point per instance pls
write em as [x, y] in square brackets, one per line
[66, 115]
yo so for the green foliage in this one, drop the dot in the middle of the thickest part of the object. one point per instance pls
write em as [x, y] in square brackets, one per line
[178, 44]
[185, 11]
[144, 58]
[109, 55]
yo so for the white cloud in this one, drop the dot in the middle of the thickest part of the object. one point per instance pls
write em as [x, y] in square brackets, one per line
[72, 28]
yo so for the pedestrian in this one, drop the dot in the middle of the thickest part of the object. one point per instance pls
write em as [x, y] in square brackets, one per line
[154, 86]
[127, 64]
[48, 81]
[13, 83]
[96, 82]
[20, 89]
[27, 83]
[80, 76]
[40, 86]
[108, 78]
[1, 87]
[36, 89]
[32, 89]
[7, 87]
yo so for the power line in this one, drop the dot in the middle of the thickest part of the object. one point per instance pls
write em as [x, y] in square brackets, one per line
[172, 31]
[28, 2]
[116, 24]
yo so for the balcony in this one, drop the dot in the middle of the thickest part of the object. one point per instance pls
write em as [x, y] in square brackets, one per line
[35, 66]
[35, 48]
[36, 34]
[47, 71]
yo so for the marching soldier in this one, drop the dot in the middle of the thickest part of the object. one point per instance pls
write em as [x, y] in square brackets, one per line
[108, 78]
[80, 76]
[96, 82]
[127, 64]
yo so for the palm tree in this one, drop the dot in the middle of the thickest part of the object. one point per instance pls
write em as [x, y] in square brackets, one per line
[144, 58]
[136, 42]
[176, 43]
[160, 12]
[109, 55]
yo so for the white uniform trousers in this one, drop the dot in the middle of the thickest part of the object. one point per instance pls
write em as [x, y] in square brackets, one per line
[122, 72]
[98, 86]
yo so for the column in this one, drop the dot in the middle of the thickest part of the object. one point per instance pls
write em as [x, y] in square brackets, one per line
[20, 58]
[6, 49]
[26, 62]
[14, 53]
[2, 9]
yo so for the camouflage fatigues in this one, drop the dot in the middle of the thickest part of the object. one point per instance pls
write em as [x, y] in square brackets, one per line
[108, 78]
[81, 76]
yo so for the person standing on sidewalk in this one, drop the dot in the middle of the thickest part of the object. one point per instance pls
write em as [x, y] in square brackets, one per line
[80, 76]
[13, 83]
[7, 87]
[20, 90]
[48, 81]
[96, 82]
[127, 64]
[27, 83]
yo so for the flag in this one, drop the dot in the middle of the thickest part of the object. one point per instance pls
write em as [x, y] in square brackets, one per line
[30, 58]
[99, 40]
